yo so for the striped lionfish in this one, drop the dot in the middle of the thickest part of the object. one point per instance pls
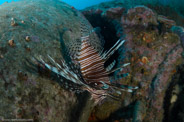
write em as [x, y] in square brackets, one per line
[87, 69]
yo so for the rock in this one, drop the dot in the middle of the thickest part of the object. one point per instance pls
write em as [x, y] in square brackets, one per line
[154, 52]
[27, 93]
[114, 12]
[139, 16]
[169, 23]
[170, 12]
[180, 32]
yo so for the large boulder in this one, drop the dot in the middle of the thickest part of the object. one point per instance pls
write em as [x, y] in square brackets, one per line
[28, 29]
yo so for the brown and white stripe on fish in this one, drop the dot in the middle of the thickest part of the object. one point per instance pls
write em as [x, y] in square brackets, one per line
[89, 71]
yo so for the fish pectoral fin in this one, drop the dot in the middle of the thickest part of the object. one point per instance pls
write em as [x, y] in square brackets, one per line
[119, 68]
[110, 66]
[107, 55]
[61, 70]
[124, 87]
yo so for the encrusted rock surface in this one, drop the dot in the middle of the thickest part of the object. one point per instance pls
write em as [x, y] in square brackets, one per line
[139, 16]
[28, 29]
[154, 49]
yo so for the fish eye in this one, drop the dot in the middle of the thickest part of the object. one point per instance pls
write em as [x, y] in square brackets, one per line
[94, 84]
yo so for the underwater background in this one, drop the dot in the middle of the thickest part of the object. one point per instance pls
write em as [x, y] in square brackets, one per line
[78, 4]
[81, 4]
[135, 73]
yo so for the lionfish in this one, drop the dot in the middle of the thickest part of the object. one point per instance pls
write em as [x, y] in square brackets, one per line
[86, 69]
